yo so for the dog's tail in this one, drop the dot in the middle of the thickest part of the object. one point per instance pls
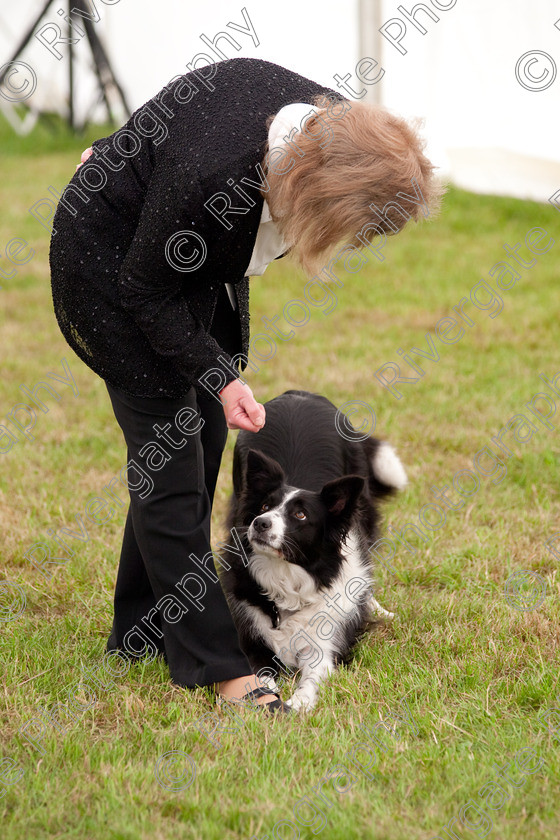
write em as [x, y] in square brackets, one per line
[386, 472]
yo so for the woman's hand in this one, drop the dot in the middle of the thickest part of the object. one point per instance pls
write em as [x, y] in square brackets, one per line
[241, 409]
[85, 155]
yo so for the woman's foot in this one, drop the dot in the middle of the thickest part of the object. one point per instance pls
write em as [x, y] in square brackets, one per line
[240, 687]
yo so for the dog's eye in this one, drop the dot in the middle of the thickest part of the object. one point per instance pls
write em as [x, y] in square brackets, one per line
[299, 514]
[264, 508]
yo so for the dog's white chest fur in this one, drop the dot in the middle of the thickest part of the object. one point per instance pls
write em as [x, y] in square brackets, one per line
[302, 608]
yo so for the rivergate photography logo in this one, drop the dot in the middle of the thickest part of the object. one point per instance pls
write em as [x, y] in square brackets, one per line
[12, 600]
[175, 770]
[531, 80]
[18, 81]
[525, 590]
[536, 70]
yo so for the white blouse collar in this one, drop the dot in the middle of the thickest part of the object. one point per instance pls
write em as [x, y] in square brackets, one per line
[269, 244]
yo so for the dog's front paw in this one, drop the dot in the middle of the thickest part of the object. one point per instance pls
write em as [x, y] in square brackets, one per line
[297, 704]
[300, 701]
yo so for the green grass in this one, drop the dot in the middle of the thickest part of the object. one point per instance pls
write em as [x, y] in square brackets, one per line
[475, 672]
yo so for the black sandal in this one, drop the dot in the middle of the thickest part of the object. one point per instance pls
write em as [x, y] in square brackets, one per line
[274, 707]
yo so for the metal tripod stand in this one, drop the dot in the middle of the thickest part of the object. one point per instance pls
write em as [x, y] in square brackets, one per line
[107, 81]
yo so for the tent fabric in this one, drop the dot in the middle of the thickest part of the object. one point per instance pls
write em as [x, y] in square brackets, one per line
[485, 129]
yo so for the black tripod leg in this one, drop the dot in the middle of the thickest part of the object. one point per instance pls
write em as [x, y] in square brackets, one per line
[26, 38]
[103, 67]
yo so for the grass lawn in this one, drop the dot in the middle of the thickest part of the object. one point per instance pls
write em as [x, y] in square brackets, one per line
[475, 669]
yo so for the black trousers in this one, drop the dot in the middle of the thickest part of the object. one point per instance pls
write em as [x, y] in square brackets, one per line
[167, 526]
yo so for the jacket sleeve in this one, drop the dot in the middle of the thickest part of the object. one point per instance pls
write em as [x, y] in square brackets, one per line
[158, 282]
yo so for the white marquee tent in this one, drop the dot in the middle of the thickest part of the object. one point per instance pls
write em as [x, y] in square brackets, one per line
[482, 75]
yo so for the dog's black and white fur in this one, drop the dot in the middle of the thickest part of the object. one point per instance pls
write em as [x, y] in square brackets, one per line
[305, 505]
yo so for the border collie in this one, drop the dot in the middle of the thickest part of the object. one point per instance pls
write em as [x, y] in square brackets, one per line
[304, 505]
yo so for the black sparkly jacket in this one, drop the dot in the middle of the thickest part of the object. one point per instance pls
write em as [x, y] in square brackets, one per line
[128, 307]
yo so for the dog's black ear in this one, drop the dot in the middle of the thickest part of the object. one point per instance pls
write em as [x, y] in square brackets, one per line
[262, 474]
[341, 495]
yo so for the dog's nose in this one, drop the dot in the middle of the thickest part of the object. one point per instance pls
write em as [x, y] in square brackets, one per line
[261, 523]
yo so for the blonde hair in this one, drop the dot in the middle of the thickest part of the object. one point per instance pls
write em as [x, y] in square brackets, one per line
[324, 200]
